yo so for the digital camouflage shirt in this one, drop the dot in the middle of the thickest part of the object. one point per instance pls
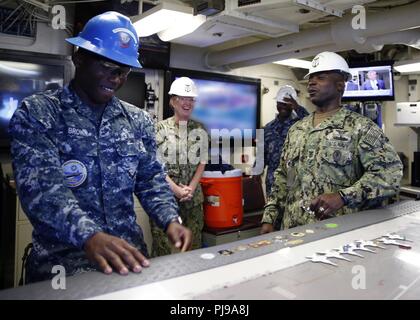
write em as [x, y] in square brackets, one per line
[75, 177]
[347, 153]
[275, 132]
[182, 148]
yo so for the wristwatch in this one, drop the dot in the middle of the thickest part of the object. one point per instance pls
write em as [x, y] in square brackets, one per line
[177, 219]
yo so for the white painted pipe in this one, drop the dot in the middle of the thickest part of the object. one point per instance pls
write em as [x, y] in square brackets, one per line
[310, 38]
[283, 56]
[374, 44]
[396, 19]
[407, 37]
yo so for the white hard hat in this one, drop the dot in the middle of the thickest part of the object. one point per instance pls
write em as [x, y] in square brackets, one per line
[286, 91]
[329, 61]
[183, 87]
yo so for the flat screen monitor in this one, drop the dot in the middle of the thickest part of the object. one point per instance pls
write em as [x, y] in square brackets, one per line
[223, 102]
[19, 80]
[133, 91]
[370, 82]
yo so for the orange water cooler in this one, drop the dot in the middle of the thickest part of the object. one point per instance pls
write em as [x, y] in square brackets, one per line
[222, 198]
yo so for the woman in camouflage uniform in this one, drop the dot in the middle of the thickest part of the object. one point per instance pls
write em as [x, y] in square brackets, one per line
[178, 138]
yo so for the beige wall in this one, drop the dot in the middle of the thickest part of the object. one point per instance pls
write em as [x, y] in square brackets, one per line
[404, 139]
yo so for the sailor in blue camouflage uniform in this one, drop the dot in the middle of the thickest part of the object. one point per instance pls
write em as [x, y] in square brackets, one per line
[79, 154]
[275, 132]
[335, 161]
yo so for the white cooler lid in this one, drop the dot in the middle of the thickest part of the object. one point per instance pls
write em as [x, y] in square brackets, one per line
[219, 174]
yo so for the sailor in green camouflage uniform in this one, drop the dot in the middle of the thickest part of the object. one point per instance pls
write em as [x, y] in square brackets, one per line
[335, 161]
[182, 144]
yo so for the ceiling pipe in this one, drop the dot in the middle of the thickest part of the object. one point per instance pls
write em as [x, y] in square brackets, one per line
[283, 56]
[310, 38]
[340, 32]
[408, 37]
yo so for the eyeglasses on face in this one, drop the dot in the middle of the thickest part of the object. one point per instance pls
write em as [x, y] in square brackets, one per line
[186, 99]
[114, 69]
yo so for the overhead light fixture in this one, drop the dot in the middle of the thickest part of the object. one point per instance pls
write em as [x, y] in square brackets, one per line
[185, 26]
[296, 63]
[168, 20]
[407, 66]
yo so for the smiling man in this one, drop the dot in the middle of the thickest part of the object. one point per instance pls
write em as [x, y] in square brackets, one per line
[79, 154]
[334, 161]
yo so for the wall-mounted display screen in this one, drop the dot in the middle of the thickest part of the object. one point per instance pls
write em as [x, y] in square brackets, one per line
[370, 82]
[224, 102]
[22, 79]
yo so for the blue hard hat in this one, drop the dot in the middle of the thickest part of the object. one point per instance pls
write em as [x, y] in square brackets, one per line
[111, 35]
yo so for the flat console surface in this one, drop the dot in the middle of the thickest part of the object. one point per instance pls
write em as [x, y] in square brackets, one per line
[274, 266]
